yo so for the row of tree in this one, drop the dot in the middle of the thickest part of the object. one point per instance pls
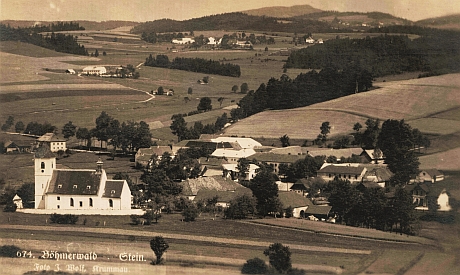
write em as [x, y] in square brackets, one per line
[128, 136]
[179, 127]
[194, 65]
[305, 89]
[371, 207]
[56, 41]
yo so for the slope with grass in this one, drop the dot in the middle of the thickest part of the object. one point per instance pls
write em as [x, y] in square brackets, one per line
[426, 102]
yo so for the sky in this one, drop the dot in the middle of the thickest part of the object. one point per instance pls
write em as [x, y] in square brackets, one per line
[149, 10]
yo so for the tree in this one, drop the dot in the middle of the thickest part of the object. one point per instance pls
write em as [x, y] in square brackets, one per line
[102, 127]
[189, 90]
[243, 168]
[19, 127]
[220, 100]
[159, 247]
[206, 79]
[160, 91]
[27, 193]
[241, 207]
[104, 53]
[69, 130]
[254, 266]
[279, 257]
[205, 104]
[178, 126]
[396, 142]
[244, 88]
[190, 212]
[84, 134]
[234, 88]
[8, 123]
[370, 136]
[264, 188]
[325, 130]
[96, 54]
[285, 141]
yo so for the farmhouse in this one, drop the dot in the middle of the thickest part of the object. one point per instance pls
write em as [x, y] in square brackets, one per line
[290, 150]
[182, 41]
[350, 171]
[338, 153]
[53, 141]
[70, 71]
[144, 155]
[426, 194]
[231, 171]
[298, 203]
[76, 189]
[233, 155]
[310, 40]
[224, 198]
[217, 183]
[275, 160]
[373, 156]
[431, 175]
[94, 70]
[19, 146]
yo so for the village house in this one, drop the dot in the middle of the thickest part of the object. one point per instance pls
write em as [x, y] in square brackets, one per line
[53, 141]
[191, 187]
[275, 160]
[19, 146]
[350, 171]
[309, 40]
[143, 155]
[290, 150]
[211, 166]
[425, 194]
[298, 203]
[224, 198]
[373, 156]
[231, 171]
[70, 71]
[76, 190]
[232, 155]
[431, 175]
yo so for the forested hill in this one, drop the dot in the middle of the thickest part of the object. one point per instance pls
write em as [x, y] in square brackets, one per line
[434, 52]
[232, 21]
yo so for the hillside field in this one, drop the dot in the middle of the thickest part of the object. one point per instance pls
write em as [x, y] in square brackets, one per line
[429, 103]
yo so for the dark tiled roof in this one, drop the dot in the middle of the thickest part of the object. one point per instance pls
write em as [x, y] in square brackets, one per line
[432, 172]
[369, 184]
[223, 196]
[293, 199]
[74, 182]
[342, 169]
[338, 153]
[192, 186]
[279, 158]
[318, 210]
[113, 188]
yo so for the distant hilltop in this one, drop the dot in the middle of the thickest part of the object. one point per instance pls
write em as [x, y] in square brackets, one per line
[283, 12]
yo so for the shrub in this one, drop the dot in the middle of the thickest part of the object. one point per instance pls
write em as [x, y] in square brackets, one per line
[10, 207]
[63, 219]
[254, 266]
[9, 251]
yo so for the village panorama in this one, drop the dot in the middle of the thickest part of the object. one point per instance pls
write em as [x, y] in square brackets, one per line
[285, 140]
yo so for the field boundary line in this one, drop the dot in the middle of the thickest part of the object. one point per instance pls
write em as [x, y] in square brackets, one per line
[185, 237]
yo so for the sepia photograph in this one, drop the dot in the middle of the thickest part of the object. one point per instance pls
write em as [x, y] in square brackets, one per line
[299, 137]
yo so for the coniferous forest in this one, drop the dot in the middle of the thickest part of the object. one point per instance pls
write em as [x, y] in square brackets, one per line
[54, 41]
[433, 52]
[306, 89]
[199, 65]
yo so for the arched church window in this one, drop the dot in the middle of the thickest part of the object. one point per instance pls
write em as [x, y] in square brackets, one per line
[43, 165]
[110, 203]
[71, 201]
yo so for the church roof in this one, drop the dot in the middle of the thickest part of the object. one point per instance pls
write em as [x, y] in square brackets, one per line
[113, 188]
[74, 182]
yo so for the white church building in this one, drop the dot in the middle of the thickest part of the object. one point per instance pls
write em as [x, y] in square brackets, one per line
[77, 191]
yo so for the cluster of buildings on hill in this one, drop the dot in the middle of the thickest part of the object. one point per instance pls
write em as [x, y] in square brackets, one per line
[103, 71]
[90, 191]
[212, 41]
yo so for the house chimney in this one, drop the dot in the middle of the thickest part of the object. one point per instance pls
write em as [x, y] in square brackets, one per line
[99, 166]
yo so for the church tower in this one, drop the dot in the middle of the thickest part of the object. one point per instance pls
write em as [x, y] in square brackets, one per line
[45, 163]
